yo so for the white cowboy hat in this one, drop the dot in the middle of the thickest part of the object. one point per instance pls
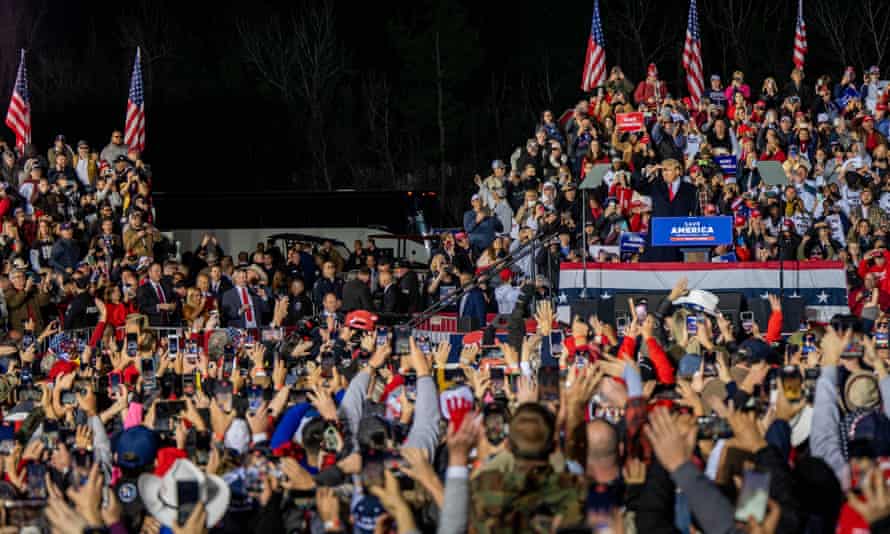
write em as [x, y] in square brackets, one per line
[699, 300]
[159, 494]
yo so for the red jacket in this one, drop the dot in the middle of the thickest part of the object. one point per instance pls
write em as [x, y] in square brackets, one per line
[866, 267]
[646, 90]
[774, 327]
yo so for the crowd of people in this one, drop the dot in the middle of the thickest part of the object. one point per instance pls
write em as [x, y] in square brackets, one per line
[145, 391]
[830, 136]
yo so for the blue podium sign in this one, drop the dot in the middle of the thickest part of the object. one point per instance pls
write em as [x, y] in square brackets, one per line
[691, 231]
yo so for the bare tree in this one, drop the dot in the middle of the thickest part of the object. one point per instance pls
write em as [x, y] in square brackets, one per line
[303, 60]
[19, 25]
[377, 94]
[148, 26]
[440, 116]
[647, 34]
[497, 103]
[834, 23]
[737, 21]
[876, 31]
[62, 75]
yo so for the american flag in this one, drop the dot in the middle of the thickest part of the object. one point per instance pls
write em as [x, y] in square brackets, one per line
[18, 118]
[800, 38]
[134, 132]
[595, 62]
[695, 80]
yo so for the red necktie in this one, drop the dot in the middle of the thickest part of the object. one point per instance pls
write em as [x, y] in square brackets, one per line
[671, 192]
[247, 313]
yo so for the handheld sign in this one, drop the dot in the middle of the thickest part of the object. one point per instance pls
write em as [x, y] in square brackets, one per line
[629, 122]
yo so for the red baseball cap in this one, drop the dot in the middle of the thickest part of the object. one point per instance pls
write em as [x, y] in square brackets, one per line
[361, 320]
[473, 338]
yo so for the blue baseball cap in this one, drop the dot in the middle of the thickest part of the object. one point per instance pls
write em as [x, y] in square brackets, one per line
[136, 447]
[754, 350]
[688, 365]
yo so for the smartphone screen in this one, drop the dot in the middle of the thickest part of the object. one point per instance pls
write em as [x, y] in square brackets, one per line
[548, 382]
[496, 376]
[223, 395]
[881, 340]
[132, 345]
[327, 366]
[148, 368]
[36, 477]
[382, 337]
[747, 319]
[403, 340]
[68, 398]
[423, 343]
[754, 496]
[27, 338]
[188, 384]
[173, 345]
[582, 357]
[641, 311]
[411, 385]
[621, 325]
[254, 398]
[713, 427]
[50, 434]
[691, 324]
[114, 380]
[186, 499]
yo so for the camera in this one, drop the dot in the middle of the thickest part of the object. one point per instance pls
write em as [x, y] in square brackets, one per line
[713, 427]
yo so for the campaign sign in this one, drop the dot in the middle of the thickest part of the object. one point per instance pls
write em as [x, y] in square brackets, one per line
[631, 242]
[691, 231]
[727, 164]
[629, 122]
[848, 94]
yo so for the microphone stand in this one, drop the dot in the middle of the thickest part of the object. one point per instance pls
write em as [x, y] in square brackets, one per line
[781, 251]
[584, 251]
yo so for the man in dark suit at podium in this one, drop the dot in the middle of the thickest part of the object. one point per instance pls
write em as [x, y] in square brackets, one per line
[671, 197]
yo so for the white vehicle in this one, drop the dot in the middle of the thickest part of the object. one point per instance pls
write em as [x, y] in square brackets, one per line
[397, 221]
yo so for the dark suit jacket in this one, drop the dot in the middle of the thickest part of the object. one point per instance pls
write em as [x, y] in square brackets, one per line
[474, 305]
[390, 299]
[224, 285]
[356, 296]
[230, 308]
[409, 286]
[684, 203]
[147, 302]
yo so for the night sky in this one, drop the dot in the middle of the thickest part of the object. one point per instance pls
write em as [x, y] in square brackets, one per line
[214, 123]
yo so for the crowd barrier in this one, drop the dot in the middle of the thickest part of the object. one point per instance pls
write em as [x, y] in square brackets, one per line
[821, 284]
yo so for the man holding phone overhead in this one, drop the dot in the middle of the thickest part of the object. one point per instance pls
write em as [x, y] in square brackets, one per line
[24, 298]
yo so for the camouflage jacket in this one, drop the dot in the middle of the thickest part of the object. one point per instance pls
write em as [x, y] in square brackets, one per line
[526, 499]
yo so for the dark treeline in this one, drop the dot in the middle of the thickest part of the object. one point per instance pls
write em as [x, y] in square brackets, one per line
[419, 95]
